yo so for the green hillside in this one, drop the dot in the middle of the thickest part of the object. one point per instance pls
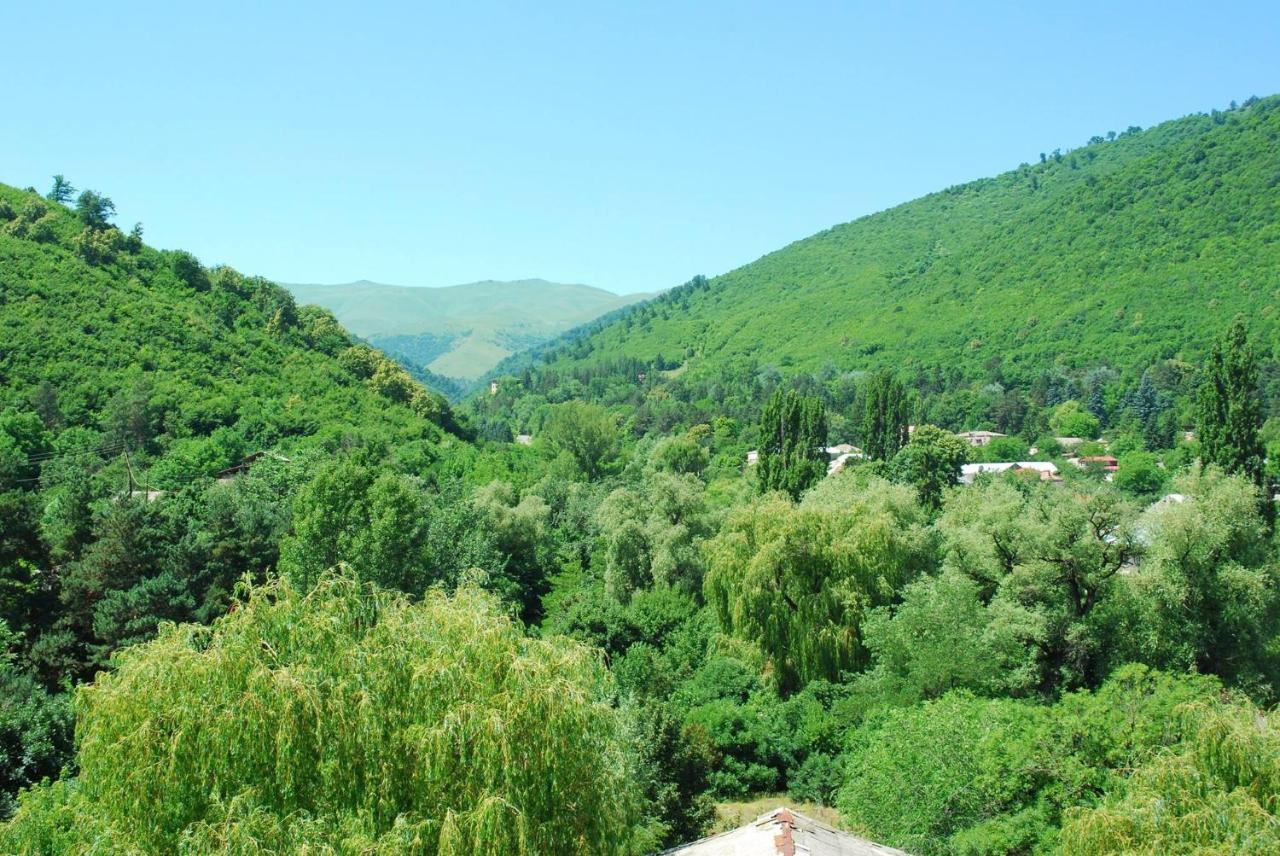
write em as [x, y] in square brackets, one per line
[90, 317]
[1128, 251]
[461, 331]
[130, 373]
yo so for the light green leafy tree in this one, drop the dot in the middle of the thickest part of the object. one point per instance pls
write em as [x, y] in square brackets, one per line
[344, 721]
[1213, 793]
[383, 526]
[1047, 559]
[652, 532]
[1070, 419]
[1208, 592]
[943, 637]
[1140, 474]
[799, 580]
[588, 433]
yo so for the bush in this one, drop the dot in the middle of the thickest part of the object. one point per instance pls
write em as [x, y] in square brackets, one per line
[99, 246]
[969, 775]
[35, 732]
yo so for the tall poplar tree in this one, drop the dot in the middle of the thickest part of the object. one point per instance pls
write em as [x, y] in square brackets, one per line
[884, 417]
[793, 434]
[1229, 412]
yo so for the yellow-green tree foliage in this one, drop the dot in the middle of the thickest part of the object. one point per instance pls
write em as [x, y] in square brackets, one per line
[347, 720]
[1218, 792]
[799, 579]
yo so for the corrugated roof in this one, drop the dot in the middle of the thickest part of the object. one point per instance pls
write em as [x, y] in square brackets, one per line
[783, 832]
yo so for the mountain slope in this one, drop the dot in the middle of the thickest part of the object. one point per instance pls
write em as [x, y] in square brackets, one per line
[147, 348]
[461, 331]
[1119, 253]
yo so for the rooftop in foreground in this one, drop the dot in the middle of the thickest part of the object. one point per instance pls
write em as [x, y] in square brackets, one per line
[783, 832]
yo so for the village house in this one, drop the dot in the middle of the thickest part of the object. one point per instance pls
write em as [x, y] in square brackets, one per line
[1107, 463]
[838, 456]
[783, 832]
[978, 439]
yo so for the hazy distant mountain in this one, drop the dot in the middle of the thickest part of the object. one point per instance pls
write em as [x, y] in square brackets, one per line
[461, 331]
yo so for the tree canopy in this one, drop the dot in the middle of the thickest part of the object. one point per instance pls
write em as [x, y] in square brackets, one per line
[344, 719]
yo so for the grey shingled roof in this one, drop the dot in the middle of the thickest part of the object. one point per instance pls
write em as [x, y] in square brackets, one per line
[783, 832]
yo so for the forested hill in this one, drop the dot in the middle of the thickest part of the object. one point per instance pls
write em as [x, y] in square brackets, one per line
[129, 378]
[1139, 246]
[461, 331]
[151, 351]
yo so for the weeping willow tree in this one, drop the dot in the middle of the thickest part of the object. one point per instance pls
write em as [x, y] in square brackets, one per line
[799, 580]
[1217, 792]
[344, 721]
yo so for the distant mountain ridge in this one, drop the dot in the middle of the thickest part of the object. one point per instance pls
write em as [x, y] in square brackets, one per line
[461, 331]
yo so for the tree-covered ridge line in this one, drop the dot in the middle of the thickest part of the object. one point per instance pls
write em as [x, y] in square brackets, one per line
[1124, 256]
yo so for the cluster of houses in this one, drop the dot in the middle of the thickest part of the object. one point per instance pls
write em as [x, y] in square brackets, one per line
[839, 456]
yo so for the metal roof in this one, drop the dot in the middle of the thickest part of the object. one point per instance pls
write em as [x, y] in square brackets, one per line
[783, 832]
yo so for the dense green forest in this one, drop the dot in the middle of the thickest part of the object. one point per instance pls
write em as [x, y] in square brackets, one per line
[261, 592]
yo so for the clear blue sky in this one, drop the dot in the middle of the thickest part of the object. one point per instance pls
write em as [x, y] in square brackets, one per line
[626, 145]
